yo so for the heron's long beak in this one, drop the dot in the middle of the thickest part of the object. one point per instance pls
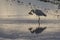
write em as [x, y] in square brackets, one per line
[30, 13]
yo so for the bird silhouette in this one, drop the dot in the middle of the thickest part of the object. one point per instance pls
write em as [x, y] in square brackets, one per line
[37, 12]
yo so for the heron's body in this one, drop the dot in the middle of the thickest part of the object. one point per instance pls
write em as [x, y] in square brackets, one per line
[38, 12]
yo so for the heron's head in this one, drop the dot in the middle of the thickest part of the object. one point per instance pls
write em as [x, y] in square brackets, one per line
[30, 29]
[31, 12]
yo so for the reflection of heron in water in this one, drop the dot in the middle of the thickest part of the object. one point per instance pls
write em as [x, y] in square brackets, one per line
[37, 30]
[38, 13]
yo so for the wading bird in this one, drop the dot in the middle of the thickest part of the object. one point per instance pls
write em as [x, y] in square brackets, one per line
[38, 13]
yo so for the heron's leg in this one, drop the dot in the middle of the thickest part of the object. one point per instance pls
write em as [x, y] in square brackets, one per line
[39, 21]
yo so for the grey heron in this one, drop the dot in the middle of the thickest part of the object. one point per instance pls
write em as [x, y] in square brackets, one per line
[38, 13]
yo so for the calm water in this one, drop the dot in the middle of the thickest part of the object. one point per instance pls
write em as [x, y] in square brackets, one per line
[15, 21]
